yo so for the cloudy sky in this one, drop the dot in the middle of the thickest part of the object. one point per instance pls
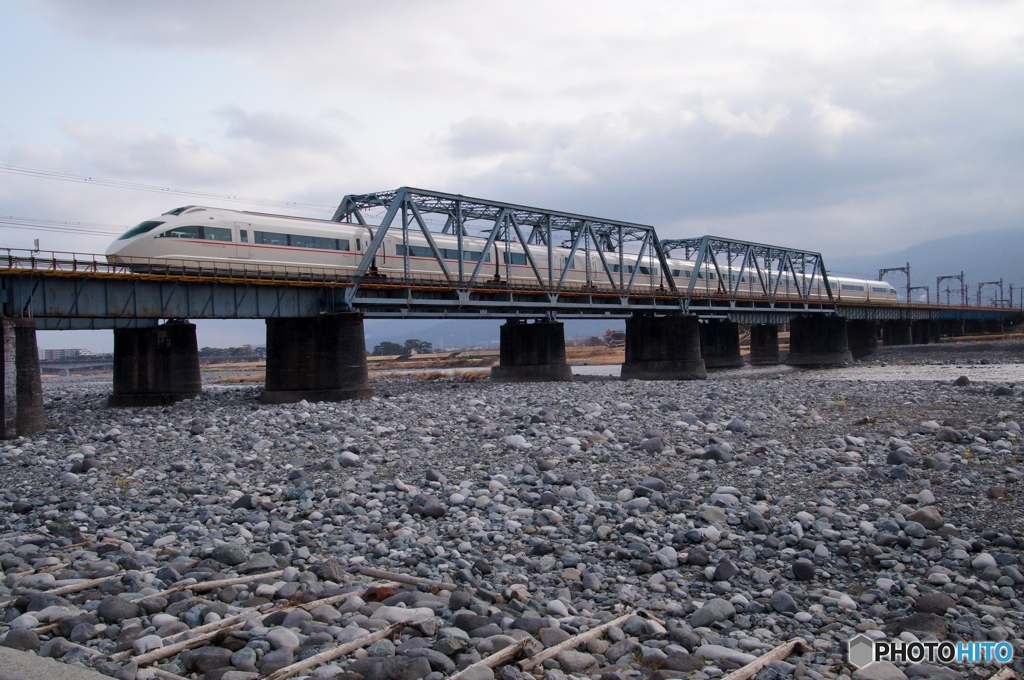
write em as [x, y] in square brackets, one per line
[845, 127]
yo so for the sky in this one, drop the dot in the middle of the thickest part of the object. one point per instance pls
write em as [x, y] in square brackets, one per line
[850, 128]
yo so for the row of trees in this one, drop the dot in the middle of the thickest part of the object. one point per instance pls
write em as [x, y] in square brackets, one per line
[243, 353]
[412, 345]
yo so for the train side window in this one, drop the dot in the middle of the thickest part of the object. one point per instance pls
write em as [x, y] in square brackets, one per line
[876, 289]
[243, 236]
[414, 251]
[270, 238]
[850, 286]
[217, 234]
[302, 241]
[183, 232]
[515, 258]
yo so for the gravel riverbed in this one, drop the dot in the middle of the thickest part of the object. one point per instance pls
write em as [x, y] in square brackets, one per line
[737, 514]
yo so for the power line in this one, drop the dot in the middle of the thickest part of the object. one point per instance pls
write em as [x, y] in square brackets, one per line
[40, 224]
[118, 184]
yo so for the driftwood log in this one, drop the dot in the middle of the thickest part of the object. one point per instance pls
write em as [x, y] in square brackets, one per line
[572, 643]
[777, 654]
[405, 578]
[499, 658]
[336, 653]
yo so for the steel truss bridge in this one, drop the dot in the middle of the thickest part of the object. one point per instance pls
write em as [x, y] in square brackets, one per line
[71, 291]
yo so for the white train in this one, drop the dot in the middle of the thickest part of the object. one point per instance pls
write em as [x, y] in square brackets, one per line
[236, 241]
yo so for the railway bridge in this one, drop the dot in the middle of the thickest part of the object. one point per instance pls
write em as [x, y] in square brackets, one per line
[675, 329]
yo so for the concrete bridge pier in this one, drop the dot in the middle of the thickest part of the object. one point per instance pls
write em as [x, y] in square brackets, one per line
[952, 328]
[21, 387]
[155, 366]
[532, 352]
[897, 333]
[862, 337]
[320, 358]
[764, 344]
[720, 344]
[818, 341]
[663, 348]
[924, 332]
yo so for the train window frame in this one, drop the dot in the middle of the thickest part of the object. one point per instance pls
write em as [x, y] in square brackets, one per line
[851, 287]
[879, 289]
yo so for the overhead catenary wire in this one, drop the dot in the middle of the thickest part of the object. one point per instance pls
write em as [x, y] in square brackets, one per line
[119, 184]
[60, 226]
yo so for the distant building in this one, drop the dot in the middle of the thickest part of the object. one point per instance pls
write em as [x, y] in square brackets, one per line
[61, 354]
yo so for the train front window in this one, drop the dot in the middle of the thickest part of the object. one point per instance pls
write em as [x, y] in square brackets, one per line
[217, 234]
[140, 228]
[183, 232]
[178, 211]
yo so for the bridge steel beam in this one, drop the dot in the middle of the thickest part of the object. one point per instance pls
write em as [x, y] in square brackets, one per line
[818, 341]
[663, 348]
[320, 358]
[720, 344]
[764, 345]
[532, 352]
[155, 366]
[21, 387]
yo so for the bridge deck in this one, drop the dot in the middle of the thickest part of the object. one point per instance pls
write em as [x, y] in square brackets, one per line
[65, 290]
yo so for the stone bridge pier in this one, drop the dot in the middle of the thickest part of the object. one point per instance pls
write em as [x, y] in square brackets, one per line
[532, 352]
[720, 344]
[764, 345]
[663, 348]
[155, 366]
[21, 398]
[818, 341]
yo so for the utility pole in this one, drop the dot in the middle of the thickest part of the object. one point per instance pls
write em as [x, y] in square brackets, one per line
[998, 284]
[927, 294]
[905, 270]
[952, 277]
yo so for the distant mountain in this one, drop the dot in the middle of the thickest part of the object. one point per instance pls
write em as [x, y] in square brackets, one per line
[985, 256]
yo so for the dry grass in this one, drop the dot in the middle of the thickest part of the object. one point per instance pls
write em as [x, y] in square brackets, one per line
[241, 379]
[468, 376]
[595, 356]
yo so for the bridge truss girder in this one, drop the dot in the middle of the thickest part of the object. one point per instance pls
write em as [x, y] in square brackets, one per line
[767, 265]
[505, 224]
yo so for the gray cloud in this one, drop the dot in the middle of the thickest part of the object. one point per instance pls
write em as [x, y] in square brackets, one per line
[861, 166]
[843, 127]
[279, 130]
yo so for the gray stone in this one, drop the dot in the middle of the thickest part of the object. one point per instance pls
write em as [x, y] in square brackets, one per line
[782, 602]
[576, 662]
[712, 612]
[114, 609]
[229, 554]
[928, 516]
[23, 639]
[880, 670]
